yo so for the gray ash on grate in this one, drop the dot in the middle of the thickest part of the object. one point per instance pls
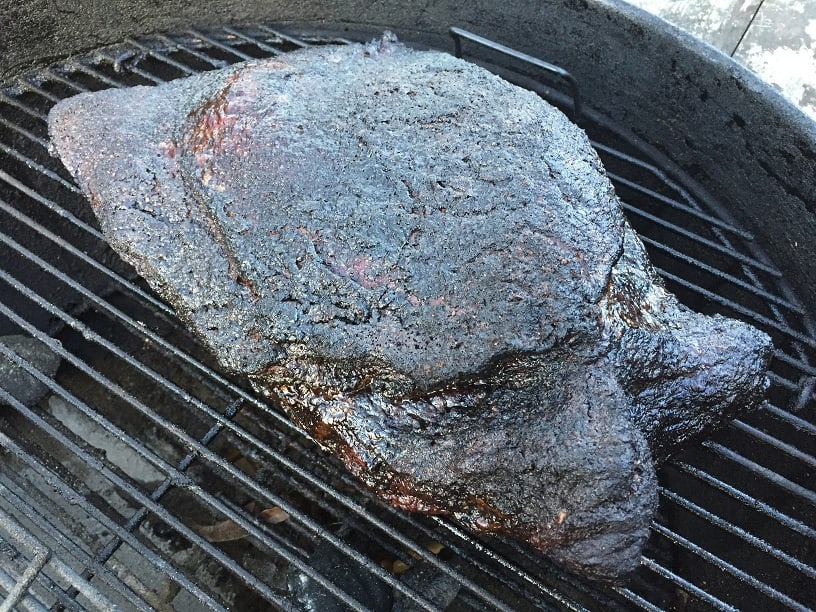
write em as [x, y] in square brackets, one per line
[428, 268]
[14, 379]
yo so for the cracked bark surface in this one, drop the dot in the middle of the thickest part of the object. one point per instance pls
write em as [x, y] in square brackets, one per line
[429, 270]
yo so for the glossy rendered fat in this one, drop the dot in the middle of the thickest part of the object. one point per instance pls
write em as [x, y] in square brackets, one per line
[428, 268]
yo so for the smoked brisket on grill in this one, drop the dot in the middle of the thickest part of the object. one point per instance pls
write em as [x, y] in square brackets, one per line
[428, 269]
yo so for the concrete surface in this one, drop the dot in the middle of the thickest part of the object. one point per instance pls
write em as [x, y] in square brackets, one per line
[774, 38]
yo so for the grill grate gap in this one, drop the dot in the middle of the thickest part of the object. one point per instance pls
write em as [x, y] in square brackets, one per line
[108, 309]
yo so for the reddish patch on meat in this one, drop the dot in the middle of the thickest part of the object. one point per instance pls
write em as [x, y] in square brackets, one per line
[219, 125]
[362, 271]
[212, 121]
[359, 267]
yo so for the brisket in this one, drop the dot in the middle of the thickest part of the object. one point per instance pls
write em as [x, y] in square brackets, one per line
[429, 270]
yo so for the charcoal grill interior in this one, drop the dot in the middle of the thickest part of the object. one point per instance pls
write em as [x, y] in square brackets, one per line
[143, 477]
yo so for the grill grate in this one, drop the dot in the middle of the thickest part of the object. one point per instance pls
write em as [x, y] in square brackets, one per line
[143, 478]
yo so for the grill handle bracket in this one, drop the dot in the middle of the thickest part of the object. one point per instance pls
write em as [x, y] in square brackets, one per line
[458, 34]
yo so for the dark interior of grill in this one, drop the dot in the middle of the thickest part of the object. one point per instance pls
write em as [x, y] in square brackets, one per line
[136, 474]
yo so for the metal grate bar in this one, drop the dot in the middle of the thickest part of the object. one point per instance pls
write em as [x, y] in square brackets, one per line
[672, 203]
[33, 87]
[469, 603]
[50, 205]
[299, 42]
[655, 171]
[746, 312]
[93, 73]
[568, 580]
[807, 389]
[218, 45]
[12, 493]
[54, 76]
[797, 363]
[263, 47]
[744, 577]
[185, 397]
[132, 67]
[551, 594]
[751, 502]
[204, 452]
[269, 532]
[782, 381]
[768, 474]
[347, 520]
[215, 63]
[20, 130]
[758, 291]
[596, 596]
[800, 424]
[636, 599]
[687, 586]
[160, 56]
[458, 34]
[691, 203]
[751, 275]
[21, 106]
[90, 261]
[729, 527]
[39, 168]
[804, 358]
[788, 449]
[730, 252]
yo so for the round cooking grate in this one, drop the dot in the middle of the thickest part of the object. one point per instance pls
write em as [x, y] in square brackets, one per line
[136, 474]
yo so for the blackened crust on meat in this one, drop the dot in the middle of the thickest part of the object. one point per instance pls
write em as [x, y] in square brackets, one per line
[377, 213]
[685, 374]
[542, 450]
[428, 269]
